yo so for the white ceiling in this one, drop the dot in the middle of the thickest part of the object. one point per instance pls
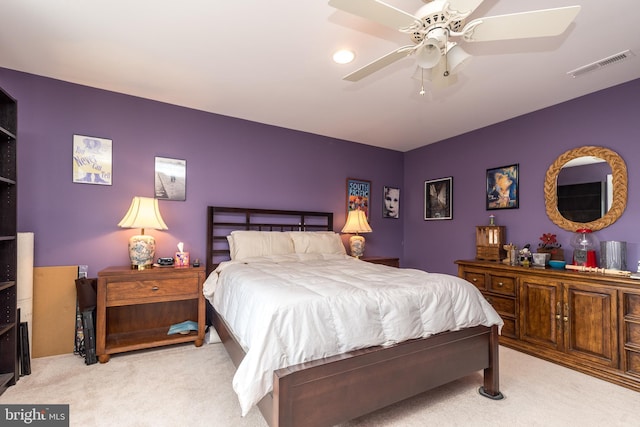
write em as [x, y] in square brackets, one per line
[270, 62]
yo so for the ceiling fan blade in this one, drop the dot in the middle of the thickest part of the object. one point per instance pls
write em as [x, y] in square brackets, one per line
[537, 23]
[377, 11]
[464, 6]
[379, 63]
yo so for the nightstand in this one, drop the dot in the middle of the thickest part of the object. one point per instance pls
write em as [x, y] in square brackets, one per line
[135, 308]
[391, 262]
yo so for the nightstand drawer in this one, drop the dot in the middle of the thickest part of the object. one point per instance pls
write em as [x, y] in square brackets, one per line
[391, 262]
[132, 291]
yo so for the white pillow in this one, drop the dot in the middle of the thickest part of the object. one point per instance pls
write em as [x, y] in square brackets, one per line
[317, 242]
[248, 244]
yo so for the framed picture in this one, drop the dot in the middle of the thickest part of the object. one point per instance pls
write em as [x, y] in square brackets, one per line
[358, 195]
[171, 179]
[92, 160]
[391, 202]
[502, 187]
[438, 202]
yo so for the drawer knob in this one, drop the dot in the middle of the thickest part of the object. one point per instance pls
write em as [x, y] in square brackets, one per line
[155, 288]
[475, 279]
[500, 284]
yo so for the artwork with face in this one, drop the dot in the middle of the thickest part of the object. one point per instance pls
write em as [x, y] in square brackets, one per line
[391, 202]
[502, 187]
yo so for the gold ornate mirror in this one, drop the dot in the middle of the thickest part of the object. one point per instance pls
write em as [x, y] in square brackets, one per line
[619, 202]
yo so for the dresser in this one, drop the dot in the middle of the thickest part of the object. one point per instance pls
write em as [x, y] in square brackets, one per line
[589, 322]
[135, 308]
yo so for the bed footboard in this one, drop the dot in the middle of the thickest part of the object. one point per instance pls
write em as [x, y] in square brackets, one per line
[336, 389]
[339, 388]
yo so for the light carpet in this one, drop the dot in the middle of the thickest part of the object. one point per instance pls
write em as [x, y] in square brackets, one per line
[187, 386]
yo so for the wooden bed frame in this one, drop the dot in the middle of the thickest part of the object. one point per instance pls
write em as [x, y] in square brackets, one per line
[332, 390]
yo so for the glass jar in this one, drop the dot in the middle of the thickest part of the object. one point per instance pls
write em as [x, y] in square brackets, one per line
[584, 244]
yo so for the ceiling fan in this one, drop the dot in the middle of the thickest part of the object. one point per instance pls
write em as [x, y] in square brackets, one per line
[436, 26]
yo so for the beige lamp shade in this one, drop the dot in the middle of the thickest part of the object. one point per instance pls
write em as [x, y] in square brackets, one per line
[143, 213]
[356, 223]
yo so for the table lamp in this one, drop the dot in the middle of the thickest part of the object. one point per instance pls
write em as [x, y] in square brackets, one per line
[143, 213]
[356, 223]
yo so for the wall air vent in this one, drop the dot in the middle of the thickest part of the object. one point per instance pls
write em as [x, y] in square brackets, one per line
[601, 63]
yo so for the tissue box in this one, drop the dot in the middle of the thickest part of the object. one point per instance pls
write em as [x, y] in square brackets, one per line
[181, 259]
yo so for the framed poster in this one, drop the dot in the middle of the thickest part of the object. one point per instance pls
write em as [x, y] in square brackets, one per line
[171, 179]
[438, 202]
[502, 187]
[391, 202]
[358, 195]
[92, 160]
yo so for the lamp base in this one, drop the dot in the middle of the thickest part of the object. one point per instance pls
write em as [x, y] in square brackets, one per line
[356, 245]
[142, 250]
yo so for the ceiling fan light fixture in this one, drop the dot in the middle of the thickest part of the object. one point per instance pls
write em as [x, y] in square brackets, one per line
[429, 53]
[428, 56]
[457, 58]
[343, 56]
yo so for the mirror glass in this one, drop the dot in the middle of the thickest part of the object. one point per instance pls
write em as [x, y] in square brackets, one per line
[584, 188]
[600, 167]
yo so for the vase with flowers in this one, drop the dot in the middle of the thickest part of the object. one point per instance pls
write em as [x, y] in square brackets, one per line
[549, 244]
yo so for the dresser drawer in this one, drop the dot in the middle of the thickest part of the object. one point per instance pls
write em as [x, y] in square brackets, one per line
[504, 306]
[503, 285]
[132, 291]
[477, 279]
[509, 328]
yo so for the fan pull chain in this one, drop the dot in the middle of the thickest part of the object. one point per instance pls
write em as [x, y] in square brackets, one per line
[446, 55]
[422, 85]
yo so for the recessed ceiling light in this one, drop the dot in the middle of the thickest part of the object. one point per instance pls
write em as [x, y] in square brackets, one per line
[343, 56]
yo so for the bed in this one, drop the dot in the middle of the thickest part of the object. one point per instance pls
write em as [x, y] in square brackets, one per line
[340, 386]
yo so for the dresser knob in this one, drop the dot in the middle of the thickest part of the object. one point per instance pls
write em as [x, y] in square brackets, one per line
[155, 288]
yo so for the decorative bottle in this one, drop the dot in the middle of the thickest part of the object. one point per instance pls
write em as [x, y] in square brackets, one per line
[584, 244]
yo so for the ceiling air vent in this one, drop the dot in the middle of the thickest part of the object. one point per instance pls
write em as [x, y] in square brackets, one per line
[601, 63]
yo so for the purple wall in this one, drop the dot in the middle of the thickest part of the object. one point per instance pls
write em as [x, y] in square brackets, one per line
[233, 162]
[608, 118]
[230, 162]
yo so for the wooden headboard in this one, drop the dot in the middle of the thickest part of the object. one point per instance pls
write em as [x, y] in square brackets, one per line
[221, 221]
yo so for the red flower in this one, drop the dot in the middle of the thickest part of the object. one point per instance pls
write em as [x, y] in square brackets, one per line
[548, 241]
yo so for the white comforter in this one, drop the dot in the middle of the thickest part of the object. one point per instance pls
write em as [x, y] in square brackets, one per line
[290, 309]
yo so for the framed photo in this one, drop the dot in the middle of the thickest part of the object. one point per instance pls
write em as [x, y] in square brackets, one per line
[502, 187]
[358, 195]
[171, 179]
[391, 202]
[438, 202]
[92, 160]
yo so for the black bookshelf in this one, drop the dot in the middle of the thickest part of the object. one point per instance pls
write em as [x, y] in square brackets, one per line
[9, 321]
